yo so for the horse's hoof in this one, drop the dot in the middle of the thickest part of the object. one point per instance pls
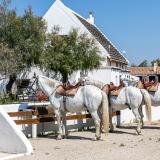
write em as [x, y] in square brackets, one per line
[138, 132]
[59, 138]
[142, 126]
[111, 131]
[96, 138]
[65, 137]
[102, 131]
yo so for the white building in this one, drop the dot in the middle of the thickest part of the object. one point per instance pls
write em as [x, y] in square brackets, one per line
[115, 64]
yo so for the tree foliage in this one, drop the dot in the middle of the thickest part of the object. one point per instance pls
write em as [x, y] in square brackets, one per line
[24, 43]
[69, 53]
[143, 64]
[33, 30]
[9, 63]
[157, 61]
[11, 59]
[23, 37]
[133, 65]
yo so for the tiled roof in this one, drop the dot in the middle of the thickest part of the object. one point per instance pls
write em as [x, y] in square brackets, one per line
[113, 52]
[144, 70]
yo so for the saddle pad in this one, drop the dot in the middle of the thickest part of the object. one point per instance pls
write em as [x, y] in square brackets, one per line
[70, 92]
[115, 92]
[60, 90]
[140, 85]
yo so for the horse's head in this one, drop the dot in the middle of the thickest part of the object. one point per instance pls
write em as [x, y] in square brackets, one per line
[45, 84]
[36, 79]
[52, 83]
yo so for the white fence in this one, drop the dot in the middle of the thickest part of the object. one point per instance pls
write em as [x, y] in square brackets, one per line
[42, 128]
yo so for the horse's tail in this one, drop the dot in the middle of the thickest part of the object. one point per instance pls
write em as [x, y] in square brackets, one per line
[105, 112]
[147, 102]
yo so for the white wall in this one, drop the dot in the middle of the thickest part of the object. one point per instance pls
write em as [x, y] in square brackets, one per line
[106, 75]
[12, 140]
[103, 75]
[128, 117]
[115, 76]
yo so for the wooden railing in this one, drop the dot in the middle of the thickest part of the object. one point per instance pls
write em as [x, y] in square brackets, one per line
[41, 115]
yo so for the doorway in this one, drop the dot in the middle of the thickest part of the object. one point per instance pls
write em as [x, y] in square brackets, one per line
[152, 78]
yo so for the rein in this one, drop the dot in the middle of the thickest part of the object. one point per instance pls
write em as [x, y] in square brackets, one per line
[54, 91]
[31, 86]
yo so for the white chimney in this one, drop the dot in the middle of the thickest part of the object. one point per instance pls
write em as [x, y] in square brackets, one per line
[155, 67]
[91, 18]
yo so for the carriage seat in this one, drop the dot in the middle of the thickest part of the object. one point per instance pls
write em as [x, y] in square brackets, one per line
[68, 90]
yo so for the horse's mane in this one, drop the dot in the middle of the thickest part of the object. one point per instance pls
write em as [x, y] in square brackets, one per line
[49, 81]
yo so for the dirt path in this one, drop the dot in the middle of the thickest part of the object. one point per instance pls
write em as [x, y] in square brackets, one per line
[123, 144]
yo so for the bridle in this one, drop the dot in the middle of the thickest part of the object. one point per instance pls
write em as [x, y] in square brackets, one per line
[36, 81]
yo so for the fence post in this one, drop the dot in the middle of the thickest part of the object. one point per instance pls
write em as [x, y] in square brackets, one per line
[118, 113]
[34, 128]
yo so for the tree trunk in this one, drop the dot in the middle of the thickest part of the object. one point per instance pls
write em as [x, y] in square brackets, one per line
[12, 79]
[64, 78]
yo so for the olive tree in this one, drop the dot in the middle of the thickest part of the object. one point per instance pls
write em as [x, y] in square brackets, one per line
[23, 37]
[68, 53]
[22, 40]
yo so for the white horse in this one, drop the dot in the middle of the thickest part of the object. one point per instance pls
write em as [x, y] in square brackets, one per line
[129, 82]
[155, 96]
[129, 97]
[88, 98]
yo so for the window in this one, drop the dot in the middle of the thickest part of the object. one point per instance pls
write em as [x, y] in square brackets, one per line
[158, 78]
[140, 78]
[152, 78]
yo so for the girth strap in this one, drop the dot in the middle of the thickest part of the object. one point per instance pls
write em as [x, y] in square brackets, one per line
[64, 103]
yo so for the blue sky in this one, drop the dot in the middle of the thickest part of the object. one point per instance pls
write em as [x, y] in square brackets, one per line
[132, 25]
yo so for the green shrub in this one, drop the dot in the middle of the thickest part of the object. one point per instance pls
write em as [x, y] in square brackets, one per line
[8, 98]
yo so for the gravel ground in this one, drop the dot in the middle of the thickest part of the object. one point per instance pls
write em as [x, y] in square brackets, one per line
[123, 144]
